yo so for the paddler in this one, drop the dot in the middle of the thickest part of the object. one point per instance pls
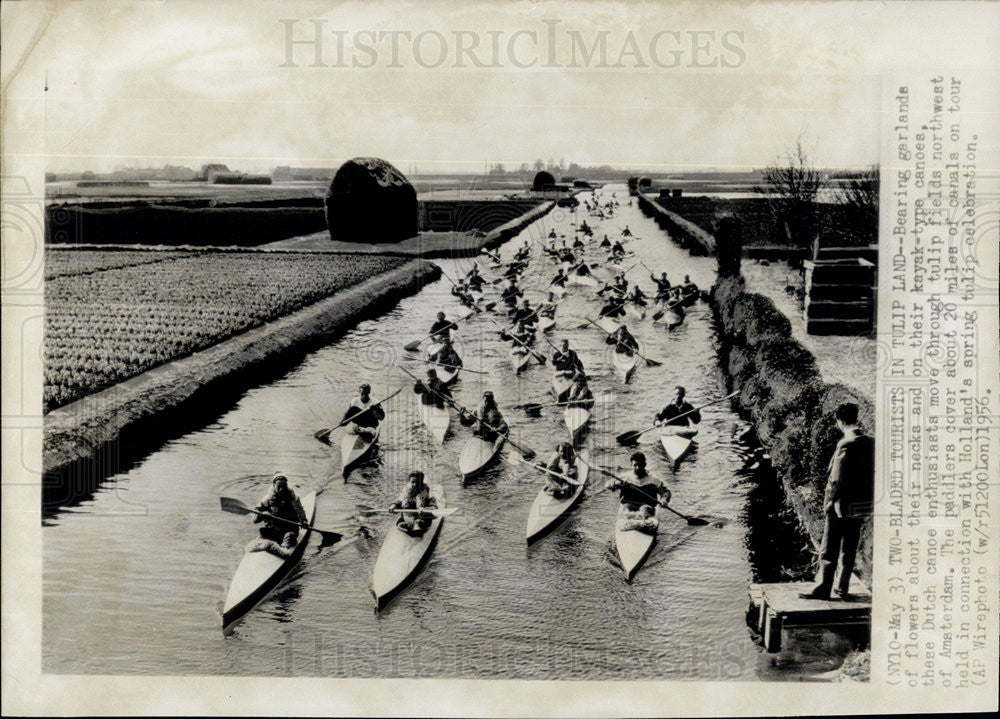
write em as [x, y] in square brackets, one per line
[489, 422]
[670, 414]
[614, 307]
[617, 251]
[562, 461]
[605, 242]
[560, 279]
[432, 390]
[566, 255]
[364, 415]
[415, 495]
[579, 394]
[552, 233]
[282, 503]
[475, 280]
[447, 356]
[442, 327]
[525, 314]
[626, 232]
[510, 294]
[639, 493]
[523, 335]
[623, 340]
[662, 286]
[689, 287]
[565, 361]
[637, 296]
[577, 242]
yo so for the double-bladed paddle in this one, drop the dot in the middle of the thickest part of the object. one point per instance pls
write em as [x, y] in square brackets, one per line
[632, 436]
[368, 510]
[537, 355]
[323, 435]
[235, 506]
[569, 480]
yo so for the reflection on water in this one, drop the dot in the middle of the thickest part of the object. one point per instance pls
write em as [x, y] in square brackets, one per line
[133, 576]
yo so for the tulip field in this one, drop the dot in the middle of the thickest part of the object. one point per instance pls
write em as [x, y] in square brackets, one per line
[122, 313]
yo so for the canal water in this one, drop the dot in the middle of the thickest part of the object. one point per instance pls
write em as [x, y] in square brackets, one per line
[133, 578]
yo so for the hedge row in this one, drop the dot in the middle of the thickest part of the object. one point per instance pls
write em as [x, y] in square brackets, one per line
[791, 406]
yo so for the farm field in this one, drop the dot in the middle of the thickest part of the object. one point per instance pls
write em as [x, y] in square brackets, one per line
[103, 326]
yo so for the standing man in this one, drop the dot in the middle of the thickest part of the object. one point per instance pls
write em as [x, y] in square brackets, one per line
[850, 490]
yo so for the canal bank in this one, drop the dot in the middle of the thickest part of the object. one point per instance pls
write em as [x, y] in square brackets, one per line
[103, 433]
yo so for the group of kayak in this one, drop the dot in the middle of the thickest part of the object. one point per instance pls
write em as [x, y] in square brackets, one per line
[421, 507]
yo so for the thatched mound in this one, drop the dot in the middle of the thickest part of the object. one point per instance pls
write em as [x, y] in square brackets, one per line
[542, 180]
[370, 201]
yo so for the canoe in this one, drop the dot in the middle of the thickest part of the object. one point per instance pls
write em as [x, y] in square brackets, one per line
[576, 419]
[676, 442]
[261, 571]
[624, 364]
[545, 323]
[477, 454]
[403, 556]
[633, 547]
[354, 449]
[437, 420]
[560, 385]
[519, 357]
[547, 512]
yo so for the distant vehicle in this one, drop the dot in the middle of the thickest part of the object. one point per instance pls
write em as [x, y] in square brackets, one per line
[567, 202]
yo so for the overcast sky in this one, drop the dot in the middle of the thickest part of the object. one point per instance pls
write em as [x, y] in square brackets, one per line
[145, 83]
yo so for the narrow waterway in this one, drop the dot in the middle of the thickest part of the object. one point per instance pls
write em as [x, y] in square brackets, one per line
[133, 578]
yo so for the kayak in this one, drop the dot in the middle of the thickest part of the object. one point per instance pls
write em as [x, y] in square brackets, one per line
[582, 280]
[261, 571]
[403, 556]
[676, 441]
[545, 323]
[633, 547]
[672, 319]
[447, 375]
[547, 512]
[635, 311]
[624, 364]
[476, 455]
[608, 324]
[354, 449]
[560, 385]
[576, 419]
[519, 357]
[437, 420]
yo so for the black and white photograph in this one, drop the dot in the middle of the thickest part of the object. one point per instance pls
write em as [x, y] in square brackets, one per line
[552, 342]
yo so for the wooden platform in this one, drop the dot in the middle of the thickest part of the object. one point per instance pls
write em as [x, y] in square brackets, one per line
[779, 607]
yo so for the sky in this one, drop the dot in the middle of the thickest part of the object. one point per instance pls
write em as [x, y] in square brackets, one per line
[664, 86]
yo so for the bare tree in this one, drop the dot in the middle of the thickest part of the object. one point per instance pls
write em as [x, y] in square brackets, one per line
[859, 196]
[790, 188]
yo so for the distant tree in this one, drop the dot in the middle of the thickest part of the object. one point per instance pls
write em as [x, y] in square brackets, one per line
[790, 188]
[539, 165]
[858, 195]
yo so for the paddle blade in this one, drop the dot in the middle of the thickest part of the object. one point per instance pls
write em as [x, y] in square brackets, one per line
[528, 454]
[653, 363]
[532, 407]
[233, 506]
[328, 538]
[489, 306]
[412, 346]
[323, 435]
[696, 521]
[657, 315]
[630, 437]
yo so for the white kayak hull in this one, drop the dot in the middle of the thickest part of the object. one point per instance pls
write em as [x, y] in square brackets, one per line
[355, 449]
[634, 547]
[437, 420]
[582, 280]
[624, 365]
[676, 444]
[547, 512]
[608, 324]
[259, 572]
[576, 419]
[477, 455]
[546, 324]
[402, 556]
[635, 311]
[560, 385]
[519, 358]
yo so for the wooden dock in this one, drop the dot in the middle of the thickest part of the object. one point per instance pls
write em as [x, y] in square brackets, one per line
[778, 607]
